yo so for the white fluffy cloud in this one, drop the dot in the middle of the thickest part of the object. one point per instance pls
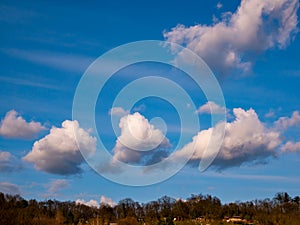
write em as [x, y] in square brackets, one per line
[91, 203]
[255, 27]
[8, 162]
[139, 139]
[14, 126]
[211, 108]
[107, 201]
[94, 203]
[118, 111]
[58, 152]
[9, 188]
[246, 139]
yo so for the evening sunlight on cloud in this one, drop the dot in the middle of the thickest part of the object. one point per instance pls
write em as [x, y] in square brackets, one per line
[58, 152]
[255, 27]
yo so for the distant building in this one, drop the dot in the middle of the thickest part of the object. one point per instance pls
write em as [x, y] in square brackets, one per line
[235, 219]
[238, 220]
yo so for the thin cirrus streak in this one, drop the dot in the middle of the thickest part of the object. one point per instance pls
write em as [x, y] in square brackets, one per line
[56, 60]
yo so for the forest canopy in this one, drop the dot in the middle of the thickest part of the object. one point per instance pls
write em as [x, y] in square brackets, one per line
[282, 209]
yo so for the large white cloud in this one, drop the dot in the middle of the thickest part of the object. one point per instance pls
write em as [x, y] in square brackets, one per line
[58, 152]
[139, 140]
[14, 126]
[256, 26]
[246, 139]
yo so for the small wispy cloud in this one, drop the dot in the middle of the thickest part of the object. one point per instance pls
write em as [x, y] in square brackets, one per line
[27, 82]
[286, 122]
[270, 114]
[140, 108]
[251, 177]
[118, 111]
[219, 5]
[290, 146]
[211, 108]
[57, 185]
[12, 14]
[9, 188]
[8, 162]
[53, 188]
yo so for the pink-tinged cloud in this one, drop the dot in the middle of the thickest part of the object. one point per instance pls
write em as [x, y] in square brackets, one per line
[14, 126]
[58, 152]
[230, 44]
[246, 140]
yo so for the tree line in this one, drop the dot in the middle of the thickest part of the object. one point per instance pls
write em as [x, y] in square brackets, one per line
[197, 209]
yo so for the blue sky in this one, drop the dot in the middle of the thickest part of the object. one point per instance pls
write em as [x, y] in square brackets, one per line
[250, 46]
